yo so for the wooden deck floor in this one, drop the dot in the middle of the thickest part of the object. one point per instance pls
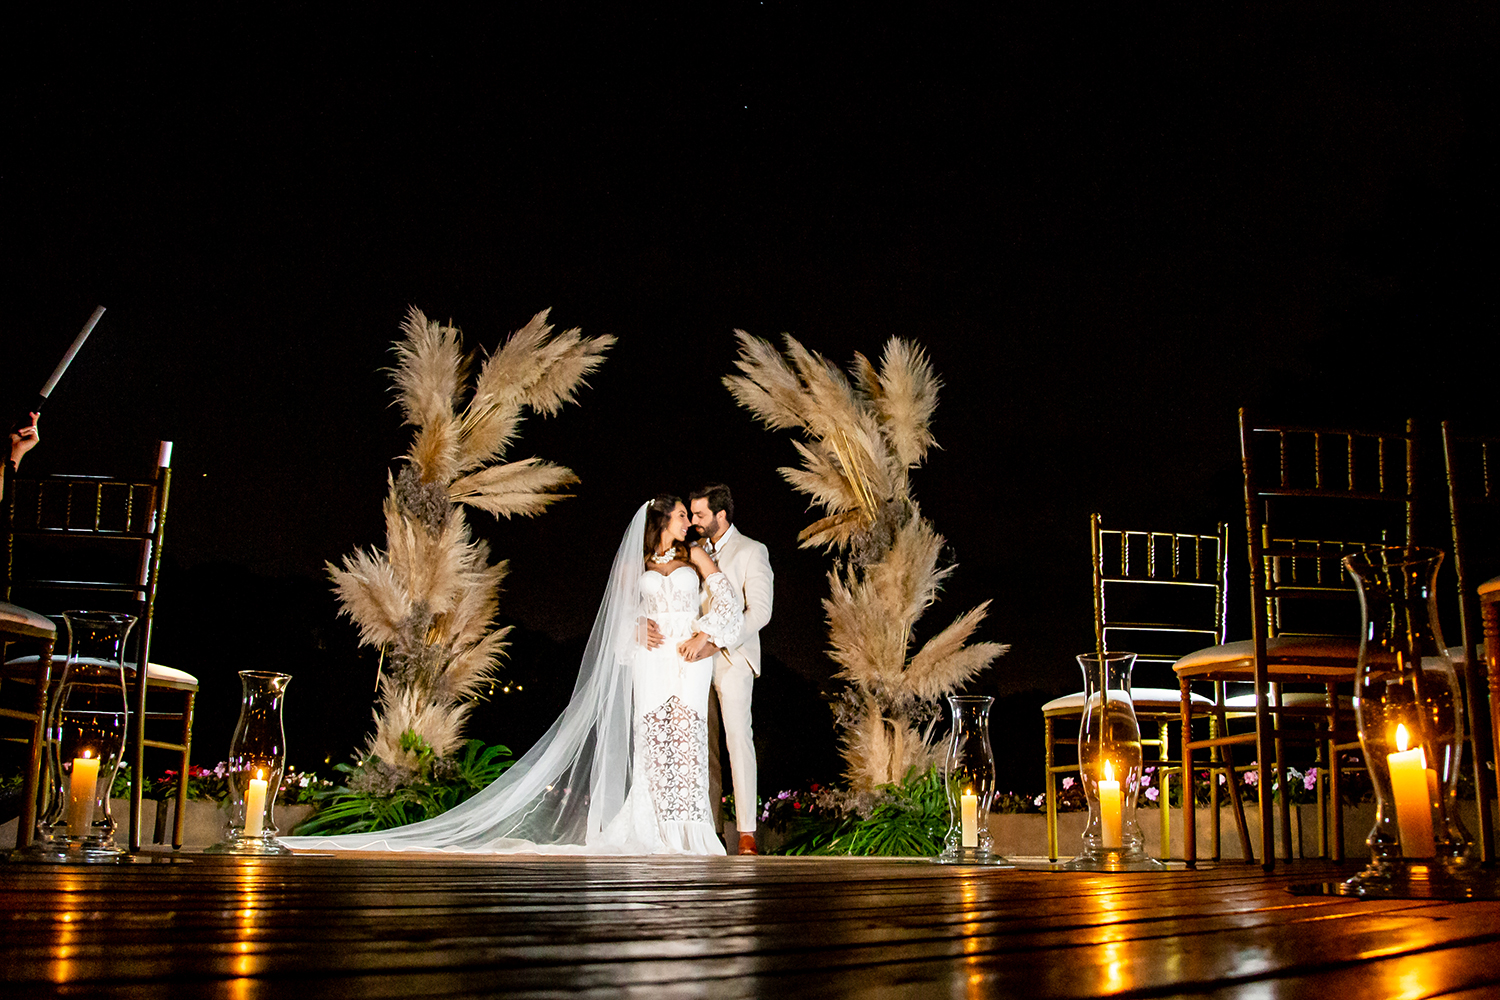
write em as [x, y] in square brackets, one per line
[401, 926]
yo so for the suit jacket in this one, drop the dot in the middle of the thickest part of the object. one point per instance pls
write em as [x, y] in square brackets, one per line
[748, 566]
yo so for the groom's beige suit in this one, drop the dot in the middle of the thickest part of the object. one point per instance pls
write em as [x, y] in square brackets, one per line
[748, 566]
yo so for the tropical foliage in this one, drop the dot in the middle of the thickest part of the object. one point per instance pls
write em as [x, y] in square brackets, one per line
[861, 435]
[438, 785]
[908, 819]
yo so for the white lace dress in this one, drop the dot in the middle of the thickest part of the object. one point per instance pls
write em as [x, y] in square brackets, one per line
[667, 810]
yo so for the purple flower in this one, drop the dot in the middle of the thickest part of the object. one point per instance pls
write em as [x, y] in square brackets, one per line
[1153, 793]
[1252, 777]
[1039, 799]
[1311, 781]
[1068, 783]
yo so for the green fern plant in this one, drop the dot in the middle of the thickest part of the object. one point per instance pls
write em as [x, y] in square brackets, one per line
[909, 819]
[441, 784]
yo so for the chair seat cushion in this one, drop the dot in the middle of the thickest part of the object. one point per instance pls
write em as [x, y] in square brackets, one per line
[1290, 699]
[1147, 699]
[1288, 656]
[1456, 654]
[17, 620]
[155, 672]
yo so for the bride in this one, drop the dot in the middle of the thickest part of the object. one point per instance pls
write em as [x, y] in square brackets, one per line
[624, 769]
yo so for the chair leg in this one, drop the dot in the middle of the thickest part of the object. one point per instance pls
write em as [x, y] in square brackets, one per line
[182, 772]
[1231, 781]
[137, 756]
[1489, 615]
[1324, 781]
[1335, 780]
[1282, 805]
[1189, 820]
[1479, 745]
[1051, 787]
[159, 822]
[1215, 756]
[31, 785]
[1161, 793]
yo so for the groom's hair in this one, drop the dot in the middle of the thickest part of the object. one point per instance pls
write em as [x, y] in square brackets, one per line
[718, 497]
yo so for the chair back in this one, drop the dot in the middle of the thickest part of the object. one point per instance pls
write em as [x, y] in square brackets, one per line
[1314, 495]
[1158, 594]
[1473, 468]
[92, 542]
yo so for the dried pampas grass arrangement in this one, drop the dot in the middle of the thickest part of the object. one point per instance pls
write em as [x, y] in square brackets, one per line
[861, 436]
[428, 600]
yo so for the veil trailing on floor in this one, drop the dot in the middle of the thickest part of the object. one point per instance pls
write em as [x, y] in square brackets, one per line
[563, 792]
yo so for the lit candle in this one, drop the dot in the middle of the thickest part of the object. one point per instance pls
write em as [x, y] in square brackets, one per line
[255, 805]
[1109, 807]
[1409, 785]
[81, 790]
[969, 817]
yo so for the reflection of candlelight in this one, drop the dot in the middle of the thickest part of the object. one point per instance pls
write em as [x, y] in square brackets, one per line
[969, 817]
[1411, 788]
[81, 790]
[1109, 807]
[255, 805]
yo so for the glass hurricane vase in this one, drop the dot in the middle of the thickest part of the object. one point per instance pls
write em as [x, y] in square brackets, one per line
[86, 732]
[969, 777]
[1409, 709]
[257, 761]
[1109, 764]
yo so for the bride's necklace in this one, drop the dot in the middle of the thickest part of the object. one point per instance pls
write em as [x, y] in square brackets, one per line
[662, 558]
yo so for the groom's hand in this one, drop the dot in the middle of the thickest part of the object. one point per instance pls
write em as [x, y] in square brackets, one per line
[699, 647]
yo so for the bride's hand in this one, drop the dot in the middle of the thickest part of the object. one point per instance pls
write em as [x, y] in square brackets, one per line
[702, 561]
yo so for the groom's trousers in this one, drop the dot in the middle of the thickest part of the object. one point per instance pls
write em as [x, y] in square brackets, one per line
[735, 684]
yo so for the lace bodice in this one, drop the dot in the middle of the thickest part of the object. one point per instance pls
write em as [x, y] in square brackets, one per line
[673, 600]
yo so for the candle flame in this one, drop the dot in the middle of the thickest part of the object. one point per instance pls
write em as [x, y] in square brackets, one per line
[86, 754]
[1109, 771]
[1401, 738]
[260, 775]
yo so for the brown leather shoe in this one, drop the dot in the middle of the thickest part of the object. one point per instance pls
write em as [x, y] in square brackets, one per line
[747, 844]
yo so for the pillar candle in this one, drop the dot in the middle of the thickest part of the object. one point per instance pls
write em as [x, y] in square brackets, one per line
[1109, 808]
[81, 790]
[255, 806]
[1410, 788]
[969, 817]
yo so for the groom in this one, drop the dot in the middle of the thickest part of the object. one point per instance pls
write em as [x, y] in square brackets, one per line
[748, 567]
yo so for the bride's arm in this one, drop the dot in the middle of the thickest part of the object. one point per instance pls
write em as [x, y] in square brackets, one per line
[725, 617]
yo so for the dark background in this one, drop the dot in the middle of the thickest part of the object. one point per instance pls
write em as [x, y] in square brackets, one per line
[1109, 229]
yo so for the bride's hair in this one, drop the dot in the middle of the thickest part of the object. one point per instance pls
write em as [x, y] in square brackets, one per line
[657, 515]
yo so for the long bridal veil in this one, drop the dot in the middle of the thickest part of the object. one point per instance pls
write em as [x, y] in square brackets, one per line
[560, 795]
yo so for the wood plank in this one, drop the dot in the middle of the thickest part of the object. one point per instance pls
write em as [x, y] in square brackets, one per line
[396, 925]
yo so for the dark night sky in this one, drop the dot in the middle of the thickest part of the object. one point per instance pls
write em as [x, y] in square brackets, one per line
[1109, 231]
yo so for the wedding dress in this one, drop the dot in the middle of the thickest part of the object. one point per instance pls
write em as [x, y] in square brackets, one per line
[624, 769]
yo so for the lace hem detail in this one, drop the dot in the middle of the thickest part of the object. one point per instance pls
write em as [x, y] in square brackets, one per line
[674, 748]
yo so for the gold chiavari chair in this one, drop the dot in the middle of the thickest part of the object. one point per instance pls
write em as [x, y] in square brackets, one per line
[1304, 487]
[1473, 469]
[20, 626]
[95, 542]
[1157, 594]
